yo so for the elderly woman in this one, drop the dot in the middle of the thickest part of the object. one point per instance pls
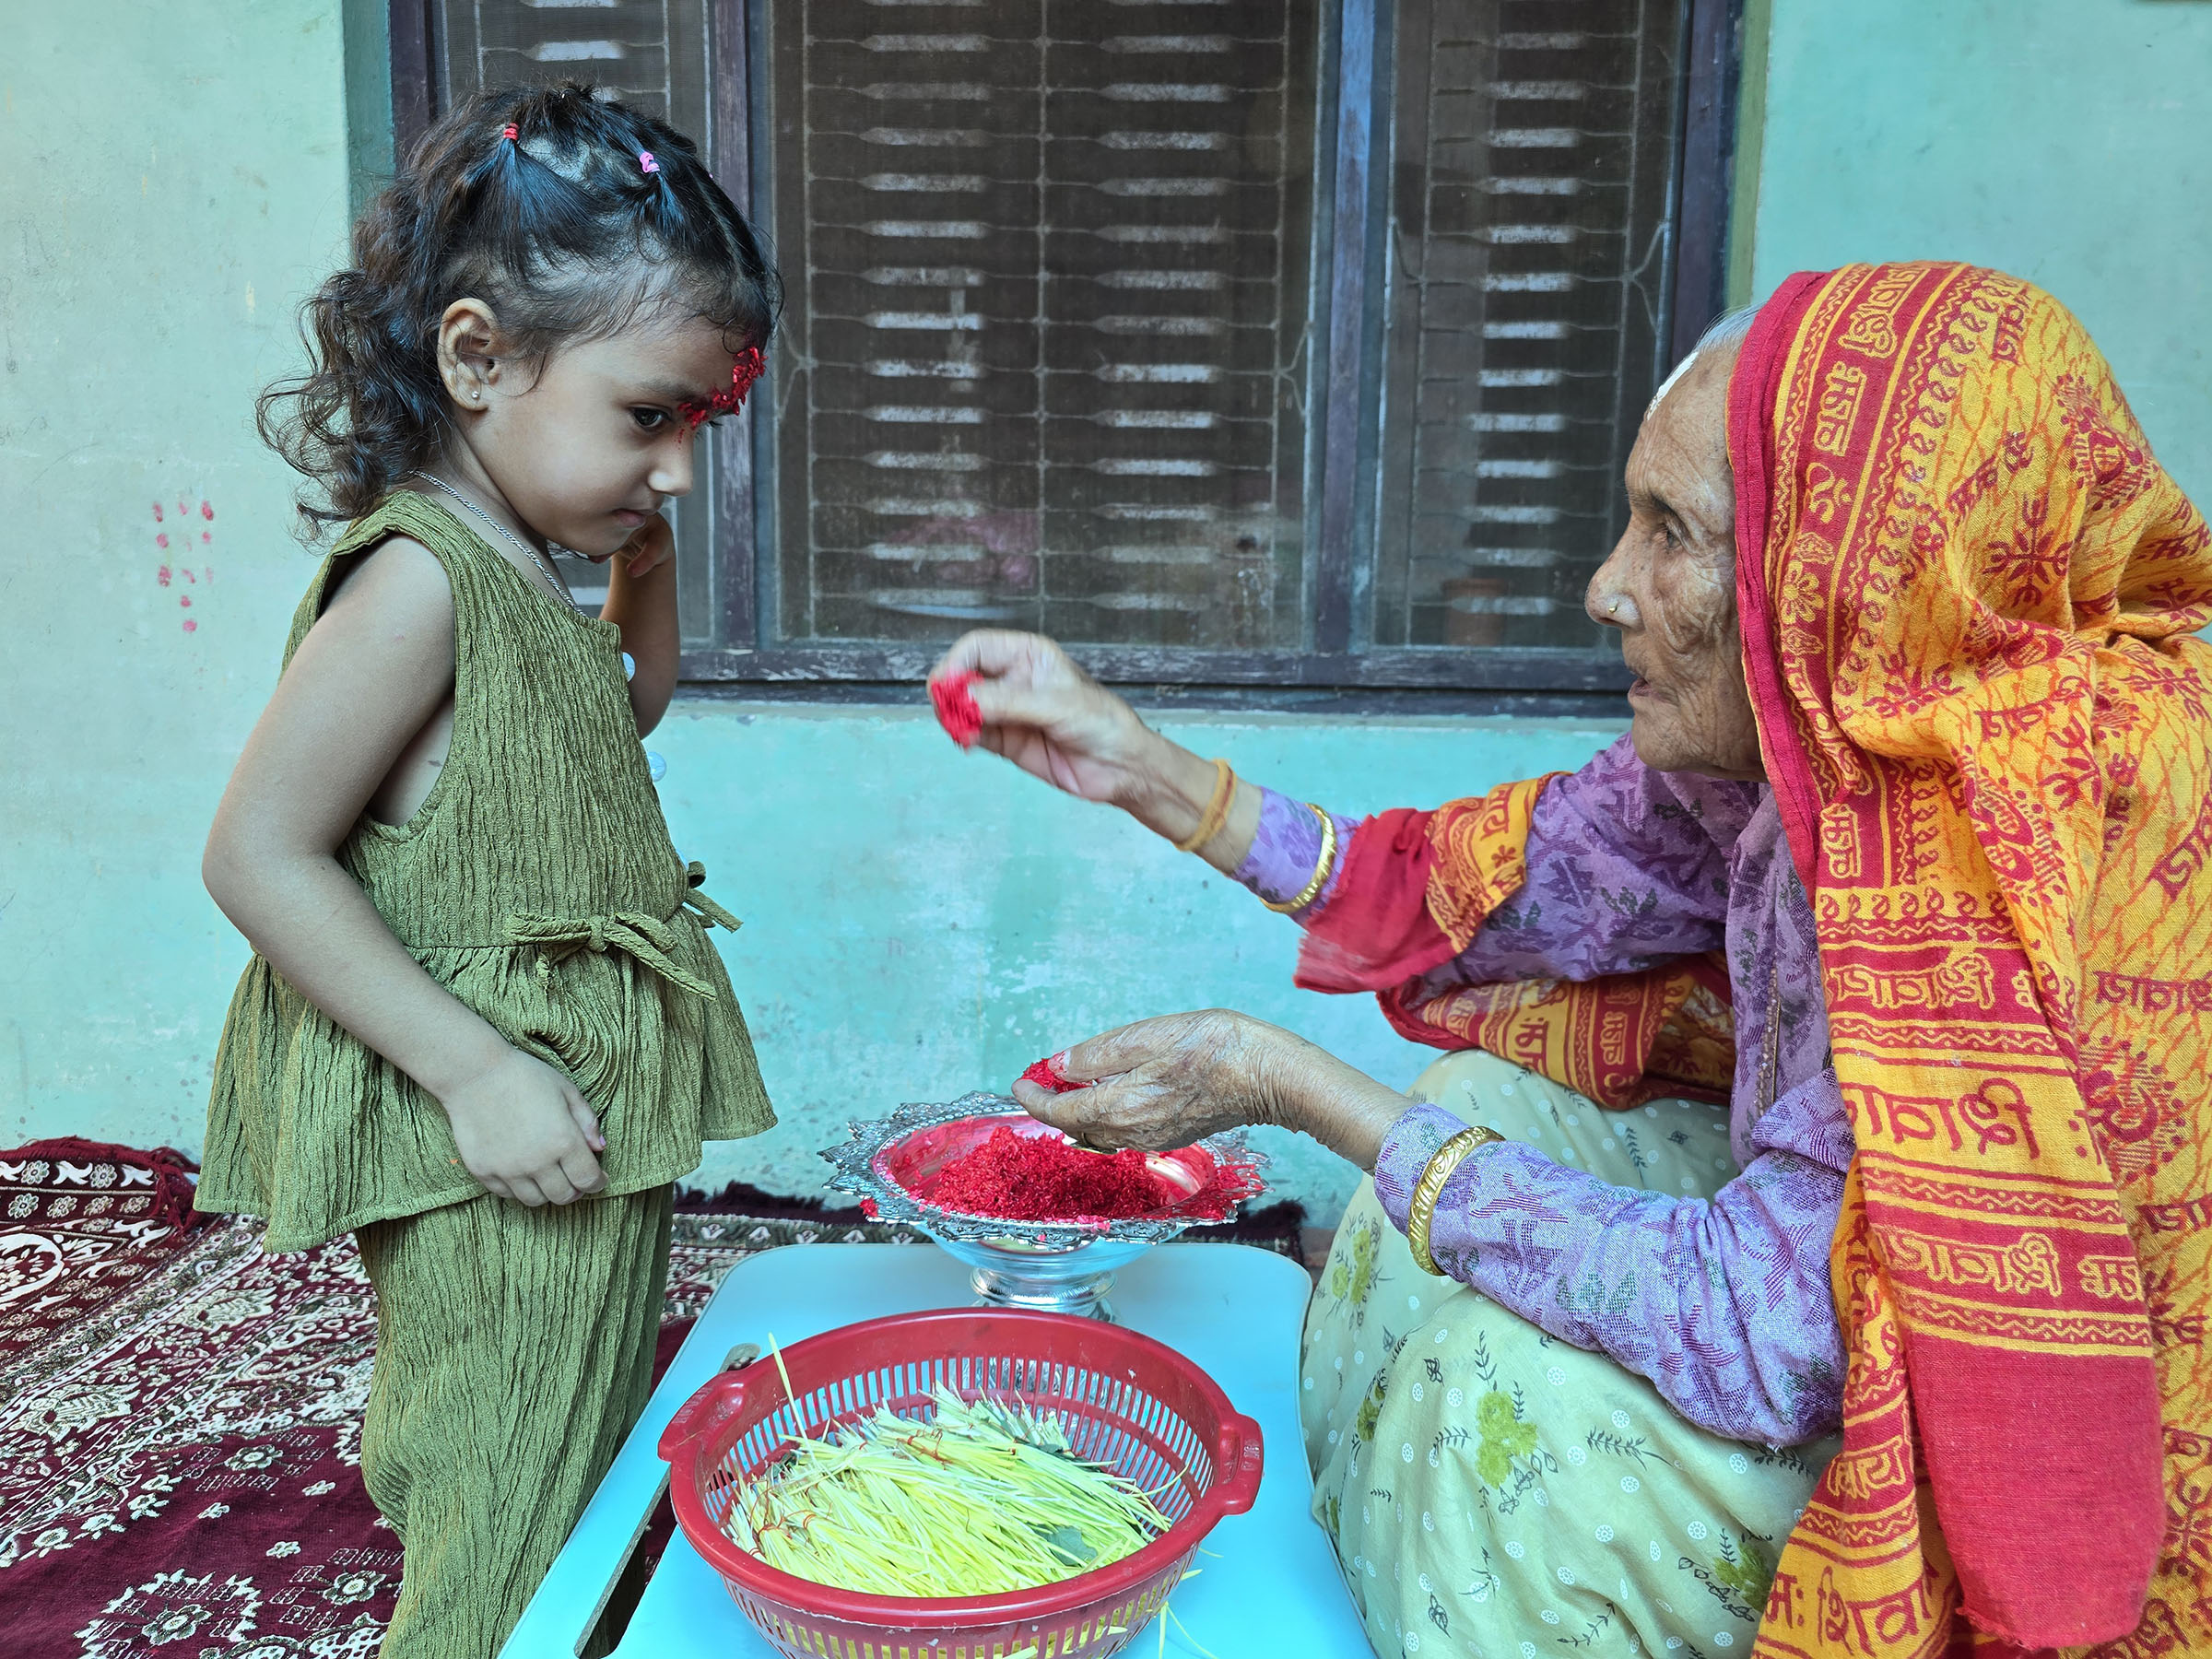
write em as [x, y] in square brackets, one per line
[1806, 1246]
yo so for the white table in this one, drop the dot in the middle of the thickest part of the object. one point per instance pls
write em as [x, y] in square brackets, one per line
[1268, 1589]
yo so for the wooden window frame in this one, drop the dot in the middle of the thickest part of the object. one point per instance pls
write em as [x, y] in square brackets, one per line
[1345, 388]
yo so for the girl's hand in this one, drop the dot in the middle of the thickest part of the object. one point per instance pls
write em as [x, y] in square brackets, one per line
[525, 1131]
[1167, 1082]
[642, 602]
[651, 545]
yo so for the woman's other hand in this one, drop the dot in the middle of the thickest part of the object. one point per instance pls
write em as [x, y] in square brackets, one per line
[1167, 1082]
[1041, 712]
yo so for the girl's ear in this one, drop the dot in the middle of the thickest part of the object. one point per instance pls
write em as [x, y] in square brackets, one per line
[468, 346]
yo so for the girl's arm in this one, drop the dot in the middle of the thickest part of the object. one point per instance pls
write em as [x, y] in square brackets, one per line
[640, 600]
[374, 669]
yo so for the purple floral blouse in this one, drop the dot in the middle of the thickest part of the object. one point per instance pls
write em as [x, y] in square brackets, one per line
[1727, 1307]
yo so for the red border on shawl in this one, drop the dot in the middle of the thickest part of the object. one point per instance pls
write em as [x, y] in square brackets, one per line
[1753, 390]
[1375, 932]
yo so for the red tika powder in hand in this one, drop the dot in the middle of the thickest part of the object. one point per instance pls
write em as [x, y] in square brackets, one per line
[1041, 1073]
[1041, 1178]
[956, 713]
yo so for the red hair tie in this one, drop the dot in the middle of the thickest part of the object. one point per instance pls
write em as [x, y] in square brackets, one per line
[510, 132]
[743, 373]
[646, 164]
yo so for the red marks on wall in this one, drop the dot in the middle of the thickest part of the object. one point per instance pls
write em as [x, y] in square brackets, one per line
[171, 576]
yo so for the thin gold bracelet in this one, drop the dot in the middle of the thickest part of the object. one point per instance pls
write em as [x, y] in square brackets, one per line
[1322, 866]
[1216, 809]
[1420, 1213]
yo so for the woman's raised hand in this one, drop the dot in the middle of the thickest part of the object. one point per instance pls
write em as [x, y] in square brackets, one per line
[1167, 1082]
[1053, 720]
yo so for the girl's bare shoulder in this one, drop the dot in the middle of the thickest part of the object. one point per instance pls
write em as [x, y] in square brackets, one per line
[398, 580]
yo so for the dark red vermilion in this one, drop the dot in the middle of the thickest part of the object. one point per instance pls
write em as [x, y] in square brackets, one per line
[956, 713]
[1041, 1178]
[1041, 1073]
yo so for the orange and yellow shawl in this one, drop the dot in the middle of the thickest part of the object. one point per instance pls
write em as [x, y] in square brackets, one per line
[1966, 593]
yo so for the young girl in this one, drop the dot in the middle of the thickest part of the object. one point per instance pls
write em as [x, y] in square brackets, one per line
[483, 1028]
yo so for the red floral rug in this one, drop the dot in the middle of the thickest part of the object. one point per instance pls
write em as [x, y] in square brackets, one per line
[180, 1413]
[180, 1416]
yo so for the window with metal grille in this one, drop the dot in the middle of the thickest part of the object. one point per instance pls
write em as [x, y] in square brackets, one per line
[1230, 342]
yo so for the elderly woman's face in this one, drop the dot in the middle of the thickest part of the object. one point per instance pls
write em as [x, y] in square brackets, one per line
[1669, 585]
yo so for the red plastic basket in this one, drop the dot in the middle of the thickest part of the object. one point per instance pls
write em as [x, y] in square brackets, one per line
[1126, 1401]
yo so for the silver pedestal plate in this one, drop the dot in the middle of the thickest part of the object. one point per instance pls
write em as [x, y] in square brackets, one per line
[1052, 1267]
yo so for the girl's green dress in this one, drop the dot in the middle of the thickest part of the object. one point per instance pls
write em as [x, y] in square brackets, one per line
[538, 883]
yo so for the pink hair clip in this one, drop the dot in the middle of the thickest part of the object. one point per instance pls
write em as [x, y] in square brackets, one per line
[510, 132]
[743, 373]
[646, 164]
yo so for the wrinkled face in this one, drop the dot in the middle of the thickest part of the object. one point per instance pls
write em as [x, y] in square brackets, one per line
[1669, 584]
[586, 445]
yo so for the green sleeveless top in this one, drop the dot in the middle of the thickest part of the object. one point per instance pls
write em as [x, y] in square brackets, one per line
[537, 882]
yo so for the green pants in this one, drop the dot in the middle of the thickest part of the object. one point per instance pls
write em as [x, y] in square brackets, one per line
[513, 1351]
[1493, 1493]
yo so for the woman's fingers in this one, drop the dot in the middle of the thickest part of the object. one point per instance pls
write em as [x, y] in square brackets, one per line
[523, 1190]
[1126, 1048]
[1104, 1119]
[1155, 1083]
[990, 652]
[1010, 703]
[1044, 1105]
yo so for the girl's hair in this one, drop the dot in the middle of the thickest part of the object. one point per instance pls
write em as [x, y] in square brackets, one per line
[572, 217]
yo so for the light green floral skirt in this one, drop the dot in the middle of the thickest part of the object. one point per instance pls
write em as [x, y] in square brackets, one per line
[1493, 1493]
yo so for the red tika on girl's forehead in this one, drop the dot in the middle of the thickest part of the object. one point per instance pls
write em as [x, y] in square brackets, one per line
[743, 373]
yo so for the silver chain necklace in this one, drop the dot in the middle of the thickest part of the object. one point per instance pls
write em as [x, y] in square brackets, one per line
[529, 552]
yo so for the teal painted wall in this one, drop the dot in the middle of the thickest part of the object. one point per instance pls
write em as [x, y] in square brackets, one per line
[170, 183]
[2065, 141]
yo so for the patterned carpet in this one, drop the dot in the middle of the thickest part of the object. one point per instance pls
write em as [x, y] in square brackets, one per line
[180, 1413]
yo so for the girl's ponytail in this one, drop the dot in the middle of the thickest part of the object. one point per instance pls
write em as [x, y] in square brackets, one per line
[571, 217]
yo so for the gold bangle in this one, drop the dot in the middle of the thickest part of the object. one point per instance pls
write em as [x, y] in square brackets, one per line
[1216, 809]
[1322, 866]
[1421, 1211]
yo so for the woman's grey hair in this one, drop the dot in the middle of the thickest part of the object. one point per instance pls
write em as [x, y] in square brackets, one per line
[1729, 328]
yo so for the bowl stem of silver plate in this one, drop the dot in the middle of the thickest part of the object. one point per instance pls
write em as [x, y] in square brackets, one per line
[1010, 1288]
